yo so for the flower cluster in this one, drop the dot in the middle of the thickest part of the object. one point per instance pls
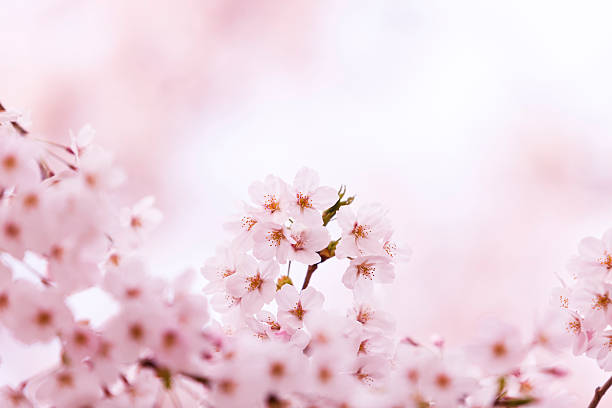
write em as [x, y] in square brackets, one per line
[270, 343]
[586, 303]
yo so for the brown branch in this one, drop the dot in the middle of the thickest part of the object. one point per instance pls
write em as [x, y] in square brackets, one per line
[325, 255]
[163, 372]
[599, 393]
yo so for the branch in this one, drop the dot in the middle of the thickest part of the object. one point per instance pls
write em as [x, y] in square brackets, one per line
[599, 393]
[325, 255]
[164, 373]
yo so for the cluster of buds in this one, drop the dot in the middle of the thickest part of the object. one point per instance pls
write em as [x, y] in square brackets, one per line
[269, 342]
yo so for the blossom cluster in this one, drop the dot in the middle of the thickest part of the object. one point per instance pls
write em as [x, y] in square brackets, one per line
[268, 341]
[586, 300]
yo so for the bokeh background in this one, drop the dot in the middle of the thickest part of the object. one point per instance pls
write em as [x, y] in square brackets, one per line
[484, 126]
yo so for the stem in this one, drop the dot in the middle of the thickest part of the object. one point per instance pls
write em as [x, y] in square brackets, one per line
[152, 364]
[599, 393]
[325, 255]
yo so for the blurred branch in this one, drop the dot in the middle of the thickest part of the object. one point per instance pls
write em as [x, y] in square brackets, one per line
[599, 393]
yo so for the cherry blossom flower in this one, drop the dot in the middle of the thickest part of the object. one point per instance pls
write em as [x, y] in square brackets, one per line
[227, 261]
[594, 258]
[18, 166]
[308, 199]
[294, 306]
[270, 197]
[499, 348]
[362, 232]
[140, 220]
[14, 398]
[306, 242]
[70, 387]
[363, 270]
[255, 288]
[272, 240]
[41, 314]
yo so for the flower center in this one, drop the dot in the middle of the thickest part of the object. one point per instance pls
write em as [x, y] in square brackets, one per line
[298, 311]
[499, 350]
[360, 231]
[364, 315]
[606, 261]
[443, 380]
[44, 318]
[254, 282]
[574, 326]
[304, 201]
[247, 223]
[9, 162]
[275, 237]
[12, 230]
[601, 302]
[271, 203]
[366, 270]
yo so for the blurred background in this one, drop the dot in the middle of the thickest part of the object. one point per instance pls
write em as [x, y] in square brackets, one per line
[484, 126]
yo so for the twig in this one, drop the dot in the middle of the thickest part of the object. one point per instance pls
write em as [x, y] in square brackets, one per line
[325, 255]
[599, 393]
[152, 364]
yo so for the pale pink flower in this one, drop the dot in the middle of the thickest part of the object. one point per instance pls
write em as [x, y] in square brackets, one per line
[255, 288]
[283, 366]
[233, 382]
[14, 398]
[294, 306]
[362, 233]
[306, 242]
[371, 369]
[243, 228]
[308, 199]
[371, 318]
[594, 260]
[39, 315]
[190, 310]
[394, 251]
[18, 166]
[129, 282]
[330, 372]
[141, 392]
[12, 232]
[270, 198]
[72, 387]
[327, 329]
[601, 349]
[133, 330]
[551, 332]
[578, 330]
[173, 346]
[97, 171]
[80, 143]
[271, 240]
[80, 342]
[595, 303]
[363, 270]
[498, 349]
[226, 262]
[139, 220]
[446, 383]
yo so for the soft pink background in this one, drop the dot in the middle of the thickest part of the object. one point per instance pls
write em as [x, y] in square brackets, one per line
[484, 126]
